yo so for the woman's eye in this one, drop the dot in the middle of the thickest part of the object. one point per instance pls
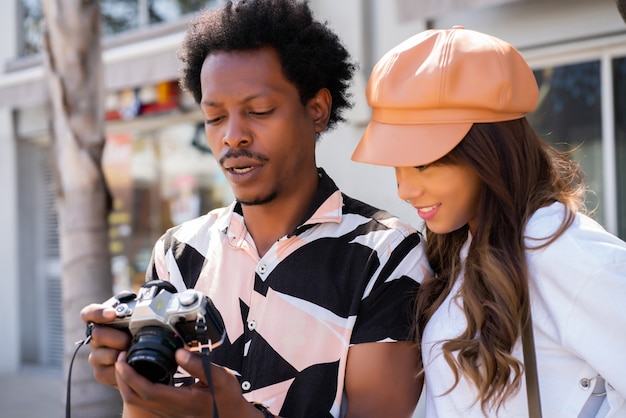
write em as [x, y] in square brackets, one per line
[422, 167]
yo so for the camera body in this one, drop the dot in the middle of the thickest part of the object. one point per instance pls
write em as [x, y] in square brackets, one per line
[160, 321]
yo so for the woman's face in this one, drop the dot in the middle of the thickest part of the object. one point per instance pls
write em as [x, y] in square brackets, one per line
[446, 196]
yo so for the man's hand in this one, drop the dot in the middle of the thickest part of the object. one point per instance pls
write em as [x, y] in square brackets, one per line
[106, 342]
[143, 398]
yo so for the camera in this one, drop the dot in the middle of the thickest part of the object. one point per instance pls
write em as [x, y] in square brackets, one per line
[160, 321]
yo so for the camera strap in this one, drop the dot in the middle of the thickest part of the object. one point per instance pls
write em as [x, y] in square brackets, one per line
[204, 343]
[206, 365]
[79, 344]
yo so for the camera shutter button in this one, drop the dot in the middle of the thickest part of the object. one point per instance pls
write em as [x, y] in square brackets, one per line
[123, 310]
[188, 297]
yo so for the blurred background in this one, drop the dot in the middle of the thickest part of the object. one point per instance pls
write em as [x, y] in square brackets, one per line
[161, 173]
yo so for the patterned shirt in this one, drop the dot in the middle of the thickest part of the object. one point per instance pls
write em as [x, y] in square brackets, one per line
[348, 274]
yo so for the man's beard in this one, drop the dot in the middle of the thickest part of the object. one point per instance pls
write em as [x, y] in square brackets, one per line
[259, 201]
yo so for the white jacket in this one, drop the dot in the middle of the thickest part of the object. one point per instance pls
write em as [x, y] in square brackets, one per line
[578, 301]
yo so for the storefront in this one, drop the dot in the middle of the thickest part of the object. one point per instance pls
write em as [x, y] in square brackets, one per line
[159, 170]
[160, 173]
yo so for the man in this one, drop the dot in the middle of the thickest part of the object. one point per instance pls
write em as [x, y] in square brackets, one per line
[315, 288]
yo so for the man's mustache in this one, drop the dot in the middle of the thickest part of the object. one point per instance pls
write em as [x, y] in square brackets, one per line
[243, 153]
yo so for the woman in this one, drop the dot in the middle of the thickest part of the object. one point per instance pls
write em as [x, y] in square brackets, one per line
[506, 235]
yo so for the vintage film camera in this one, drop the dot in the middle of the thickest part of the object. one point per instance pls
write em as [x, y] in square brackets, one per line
[160, 320]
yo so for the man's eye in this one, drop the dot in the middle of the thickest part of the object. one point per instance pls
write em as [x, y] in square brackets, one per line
[212, 121]
[422, 167]
[264, 113]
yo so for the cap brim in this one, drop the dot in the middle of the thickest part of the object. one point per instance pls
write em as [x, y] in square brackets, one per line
[408, 145]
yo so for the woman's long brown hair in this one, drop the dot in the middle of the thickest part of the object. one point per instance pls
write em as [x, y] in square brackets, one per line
[520, 174]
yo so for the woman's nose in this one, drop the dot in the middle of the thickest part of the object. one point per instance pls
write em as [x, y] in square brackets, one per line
[408, 185]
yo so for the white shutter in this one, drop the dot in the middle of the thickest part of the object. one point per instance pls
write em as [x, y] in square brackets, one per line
[53, 289]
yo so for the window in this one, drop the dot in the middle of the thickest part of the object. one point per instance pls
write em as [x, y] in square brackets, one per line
[569, 117]
[117, 16]
[123, 15]
[32, 18]
[170, 10]
[619, 100]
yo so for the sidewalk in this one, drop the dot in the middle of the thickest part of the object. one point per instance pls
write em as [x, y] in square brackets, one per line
[32, 394]
[40, 394]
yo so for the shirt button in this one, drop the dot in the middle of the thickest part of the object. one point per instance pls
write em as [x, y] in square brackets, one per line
[584, 383]
[251, 325]
[262, 268]
[245, 385]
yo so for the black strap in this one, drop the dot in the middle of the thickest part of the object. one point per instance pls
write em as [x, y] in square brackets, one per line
[530, 367]
[79, 344]
[206, 365]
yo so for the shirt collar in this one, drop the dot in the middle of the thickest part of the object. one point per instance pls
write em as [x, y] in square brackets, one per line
[326, 206]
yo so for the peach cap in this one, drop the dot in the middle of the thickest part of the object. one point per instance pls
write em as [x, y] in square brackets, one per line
[426, 93]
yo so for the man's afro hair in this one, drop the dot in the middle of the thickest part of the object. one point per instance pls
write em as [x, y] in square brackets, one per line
[312, 56]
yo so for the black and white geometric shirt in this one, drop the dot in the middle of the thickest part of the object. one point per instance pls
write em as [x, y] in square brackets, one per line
[347, 275]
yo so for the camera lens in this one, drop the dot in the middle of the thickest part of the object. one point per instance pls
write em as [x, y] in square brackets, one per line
[151, 353]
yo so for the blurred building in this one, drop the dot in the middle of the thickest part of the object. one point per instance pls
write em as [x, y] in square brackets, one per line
[161, 172]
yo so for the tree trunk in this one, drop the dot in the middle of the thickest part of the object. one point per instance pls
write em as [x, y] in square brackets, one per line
[72, 54]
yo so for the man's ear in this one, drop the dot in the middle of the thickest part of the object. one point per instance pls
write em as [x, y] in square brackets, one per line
[319, 107]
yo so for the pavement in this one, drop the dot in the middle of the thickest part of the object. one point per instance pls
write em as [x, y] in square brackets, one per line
[40, 393]
[36, 393]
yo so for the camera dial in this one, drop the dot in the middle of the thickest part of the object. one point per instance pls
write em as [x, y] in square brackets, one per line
[160, 320]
